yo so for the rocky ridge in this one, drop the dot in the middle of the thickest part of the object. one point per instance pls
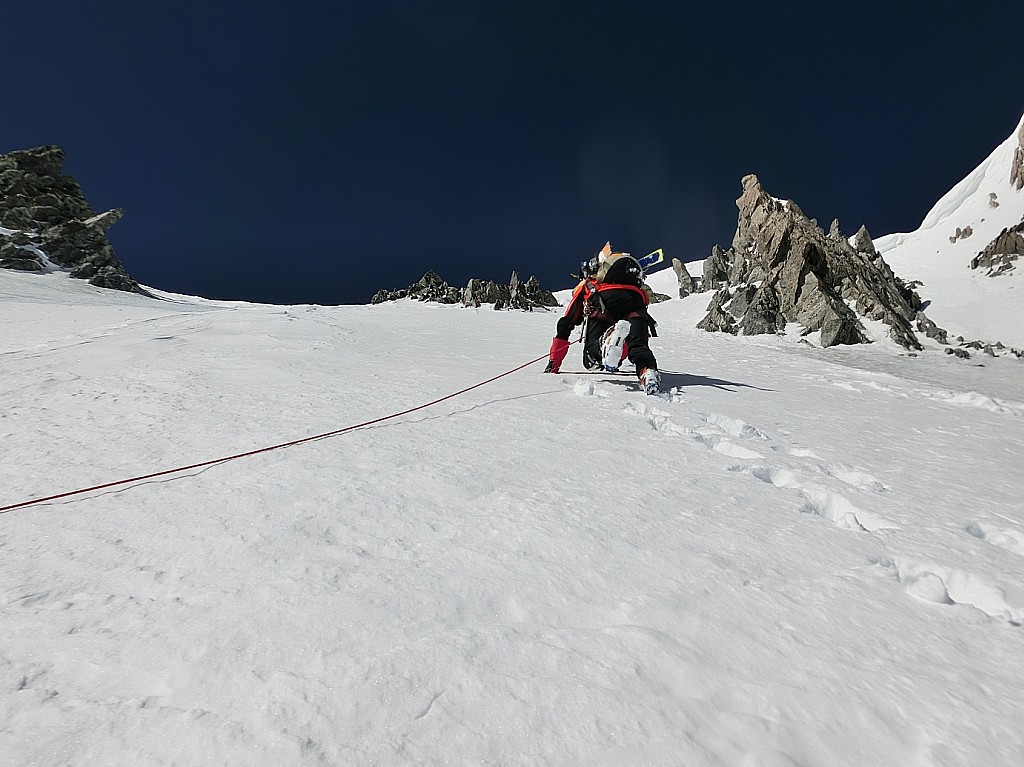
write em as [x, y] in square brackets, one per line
[1000, 255]
[517, 294]
[782, 268]
[47, 224]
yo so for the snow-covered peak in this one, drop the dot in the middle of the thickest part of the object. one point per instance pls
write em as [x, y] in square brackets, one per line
[971, 200]
[955, 230]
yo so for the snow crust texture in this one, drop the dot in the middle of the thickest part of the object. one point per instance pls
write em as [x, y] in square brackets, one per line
[794, 556]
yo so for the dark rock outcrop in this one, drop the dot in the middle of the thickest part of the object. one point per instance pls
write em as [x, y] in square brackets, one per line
[1000, 255]
[783, 268]
[961, 234]
[1017, 167]
[656, 298]
[716, 269]
[687, 284]
[516, 295]
[48, 224]
[430, 287]
[997, 349]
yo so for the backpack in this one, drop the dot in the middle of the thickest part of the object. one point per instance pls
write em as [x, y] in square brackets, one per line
[620, 269]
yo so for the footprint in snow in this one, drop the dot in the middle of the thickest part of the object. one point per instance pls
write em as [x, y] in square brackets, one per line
[659, 420]
[853, 477]
[820, 500]
[735, 427]
[717, 433]
[1004, 538]
[841, 510]
[775, 475]
[721, 433]
[949, 586]
[713, 435]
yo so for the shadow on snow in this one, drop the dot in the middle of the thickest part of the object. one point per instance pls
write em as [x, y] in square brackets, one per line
[670, 379]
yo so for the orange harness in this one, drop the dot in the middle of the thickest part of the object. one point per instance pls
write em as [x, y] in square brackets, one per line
[589, 287]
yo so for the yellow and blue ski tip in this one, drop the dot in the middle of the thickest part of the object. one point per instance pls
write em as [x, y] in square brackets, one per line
[651, 259]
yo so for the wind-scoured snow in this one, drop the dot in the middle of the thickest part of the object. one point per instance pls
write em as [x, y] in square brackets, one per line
[795, 556]
[972, 304]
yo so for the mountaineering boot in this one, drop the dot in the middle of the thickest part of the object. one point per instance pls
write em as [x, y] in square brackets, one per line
[558, 349]
[650, 380]
[612, 344]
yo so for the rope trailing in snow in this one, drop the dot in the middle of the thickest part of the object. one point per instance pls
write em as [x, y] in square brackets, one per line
[293, 443]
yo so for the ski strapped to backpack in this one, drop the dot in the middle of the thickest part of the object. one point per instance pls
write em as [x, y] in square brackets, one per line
[655, 257]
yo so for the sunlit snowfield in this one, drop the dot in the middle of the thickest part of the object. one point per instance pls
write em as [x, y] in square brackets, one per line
[796, 556]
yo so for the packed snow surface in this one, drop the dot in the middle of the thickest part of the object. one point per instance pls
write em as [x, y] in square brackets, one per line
[795, 556]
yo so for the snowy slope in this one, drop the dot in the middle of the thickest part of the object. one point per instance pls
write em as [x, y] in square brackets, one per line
[796, 557]
[967, 302]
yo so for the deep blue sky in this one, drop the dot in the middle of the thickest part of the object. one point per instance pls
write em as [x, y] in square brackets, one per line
[303, 151]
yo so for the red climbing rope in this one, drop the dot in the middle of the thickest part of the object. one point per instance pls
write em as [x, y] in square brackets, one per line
[212, 462]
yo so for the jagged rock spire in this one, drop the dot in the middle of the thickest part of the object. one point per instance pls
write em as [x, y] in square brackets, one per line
[783, 268]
